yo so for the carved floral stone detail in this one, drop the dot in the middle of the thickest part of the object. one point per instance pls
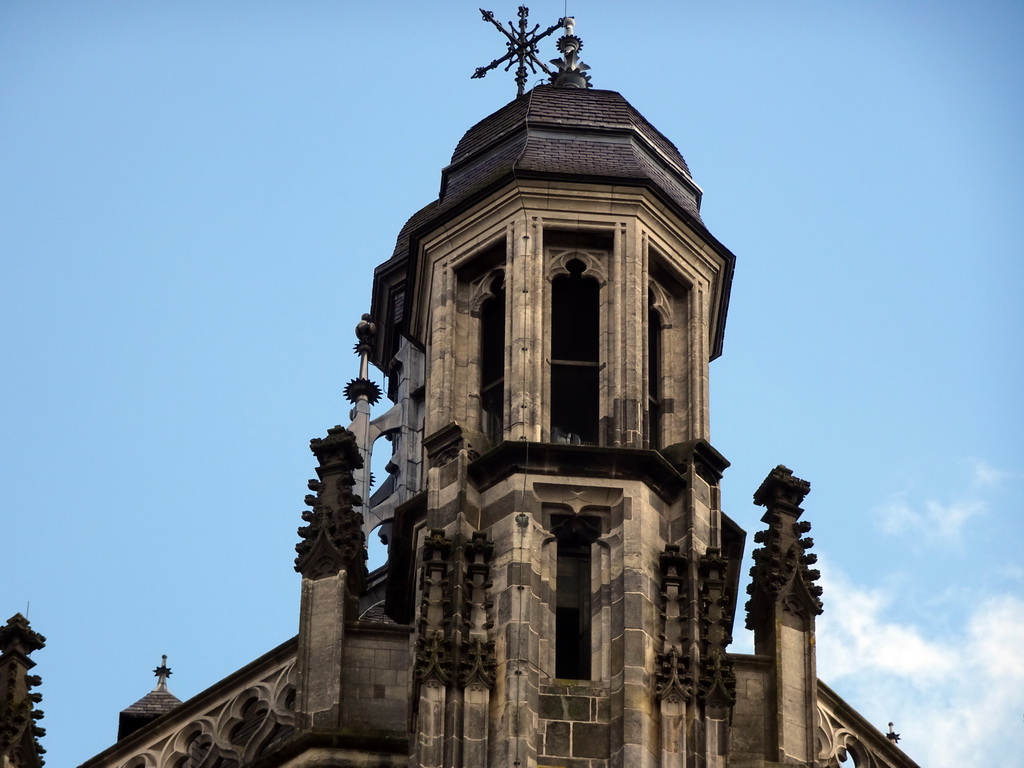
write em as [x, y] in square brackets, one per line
[433, 647]
[332, 538]
[717, 679]
[477, 659]
[673, 680]
[478, 663]
[433, 659]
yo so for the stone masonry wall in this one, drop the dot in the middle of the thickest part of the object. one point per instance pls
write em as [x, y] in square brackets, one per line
[574, 724]
[377, 677]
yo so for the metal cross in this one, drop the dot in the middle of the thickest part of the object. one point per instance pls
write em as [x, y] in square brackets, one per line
[522, 47]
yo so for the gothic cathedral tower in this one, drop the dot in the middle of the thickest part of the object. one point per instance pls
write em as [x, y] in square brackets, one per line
[561, 581]
[574, 575]
[566, 301]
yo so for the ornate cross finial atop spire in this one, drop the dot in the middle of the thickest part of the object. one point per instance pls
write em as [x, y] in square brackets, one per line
[522, 47]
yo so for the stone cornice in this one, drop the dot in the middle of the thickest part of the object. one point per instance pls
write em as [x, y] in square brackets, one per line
[513, 457]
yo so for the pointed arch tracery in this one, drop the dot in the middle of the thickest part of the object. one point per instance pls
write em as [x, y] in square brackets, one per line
[482, 289]
[661, 302]
[593, 265]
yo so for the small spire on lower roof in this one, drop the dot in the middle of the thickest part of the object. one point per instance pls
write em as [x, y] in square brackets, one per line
[149, 707]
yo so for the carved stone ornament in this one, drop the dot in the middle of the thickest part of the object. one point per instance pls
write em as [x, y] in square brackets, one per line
[433, 659]
[446, 444]
[717, 679]
[19, 732]
[572, 72]
[593, 264]
[718, 682]
[673, 595]
[781, 574]
[672, 679]
[332, 538]
[433, 646]
[358, 388]
[781, 489]
[478, 663]
[231, 727]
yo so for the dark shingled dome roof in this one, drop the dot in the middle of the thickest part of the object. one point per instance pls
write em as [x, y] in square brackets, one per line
[589, 134]
[566, 131]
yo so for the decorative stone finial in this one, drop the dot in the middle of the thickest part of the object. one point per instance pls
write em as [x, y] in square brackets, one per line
[19, 715]
[362, 387]
[571, 71]
[782, 574]
[522, 47]
[332, 538]
[17, 637]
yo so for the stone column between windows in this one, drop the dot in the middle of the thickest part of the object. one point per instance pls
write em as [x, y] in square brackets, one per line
[526, 296]
[697, 393]
[441, 370]
[631, 329]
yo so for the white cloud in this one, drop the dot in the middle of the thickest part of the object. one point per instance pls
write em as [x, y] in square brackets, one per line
[957, 700]
[1011, 572]
[984, 475]
[931, 521]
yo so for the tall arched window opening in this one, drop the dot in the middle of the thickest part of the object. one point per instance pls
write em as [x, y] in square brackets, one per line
[575, 535]
[492, 360]
[575, 359]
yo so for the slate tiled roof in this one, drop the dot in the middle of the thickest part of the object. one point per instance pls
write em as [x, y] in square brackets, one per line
[375, 613]
[153, 704]
[587, 109]
[589, 134]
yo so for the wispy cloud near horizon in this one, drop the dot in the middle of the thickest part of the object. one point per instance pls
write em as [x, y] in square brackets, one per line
[957, 701]
[935, 522]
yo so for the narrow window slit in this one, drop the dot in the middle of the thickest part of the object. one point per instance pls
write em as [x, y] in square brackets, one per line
[573, 610]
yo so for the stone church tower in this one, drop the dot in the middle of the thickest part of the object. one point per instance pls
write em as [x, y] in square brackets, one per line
[561, 582]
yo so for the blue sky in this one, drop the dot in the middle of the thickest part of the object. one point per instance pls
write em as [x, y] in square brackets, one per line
[194, 196]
